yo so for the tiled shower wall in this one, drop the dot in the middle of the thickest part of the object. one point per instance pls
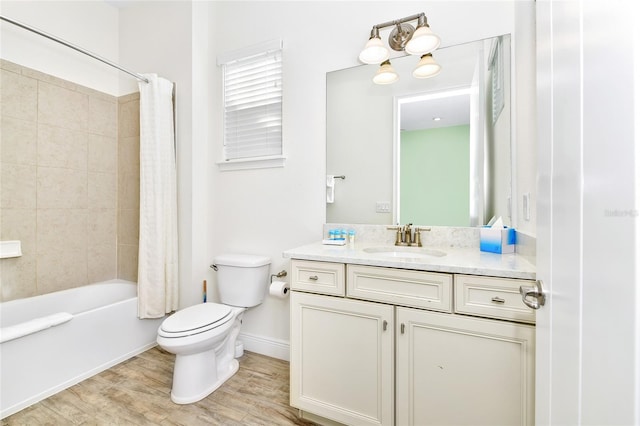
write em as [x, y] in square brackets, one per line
[68, 184]
[128, 185]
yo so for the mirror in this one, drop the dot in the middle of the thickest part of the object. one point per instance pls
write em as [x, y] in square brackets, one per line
[402, 165]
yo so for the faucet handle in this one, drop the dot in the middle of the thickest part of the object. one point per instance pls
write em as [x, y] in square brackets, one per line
[417, 240]
[398, 230]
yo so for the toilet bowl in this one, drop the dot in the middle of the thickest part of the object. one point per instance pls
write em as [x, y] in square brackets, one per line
[203, 337]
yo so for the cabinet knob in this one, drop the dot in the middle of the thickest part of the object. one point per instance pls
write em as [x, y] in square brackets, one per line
[313, 278]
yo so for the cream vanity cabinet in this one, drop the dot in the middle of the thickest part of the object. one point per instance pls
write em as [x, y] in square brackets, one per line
[385, 346]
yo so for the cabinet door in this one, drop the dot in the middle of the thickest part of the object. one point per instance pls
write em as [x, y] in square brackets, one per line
[342, 359]
[455, 370]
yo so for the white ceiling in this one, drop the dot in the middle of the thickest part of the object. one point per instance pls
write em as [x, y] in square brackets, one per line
[453, 111]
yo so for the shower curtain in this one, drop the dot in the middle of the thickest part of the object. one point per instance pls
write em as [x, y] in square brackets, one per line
[158, 247]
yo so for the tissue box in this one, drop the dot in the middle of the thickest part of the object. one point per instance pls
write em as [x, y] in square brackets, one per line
[496, 240]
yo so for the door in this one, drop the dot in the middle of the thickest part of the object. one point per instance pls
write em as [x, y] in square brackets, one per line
[588, 336]
[457, 370]
[342, 354]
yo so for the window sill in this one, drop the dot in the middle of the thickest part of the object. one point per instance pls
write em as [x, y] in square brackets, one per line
[252, 163]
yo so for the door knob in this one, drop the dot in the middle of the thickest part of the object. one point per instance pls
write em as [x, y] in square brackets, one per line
[533, 296]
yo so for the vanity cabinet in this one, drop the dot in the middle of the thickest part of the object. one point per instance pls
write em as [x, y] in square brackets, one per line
[409, 347]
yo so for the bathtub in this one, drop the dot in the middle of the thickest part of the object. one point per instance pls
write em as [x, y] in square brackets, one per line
[97, 328]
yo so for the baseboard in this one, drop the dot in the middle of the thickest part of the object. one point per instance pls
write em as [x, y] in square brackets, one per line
[317, 419]
[274, 348]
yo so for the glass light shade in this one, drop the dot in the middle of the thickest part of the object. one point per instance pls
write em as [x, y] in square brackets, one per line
[423, 41]
[374, 52]
[386, 74]
[427, 67]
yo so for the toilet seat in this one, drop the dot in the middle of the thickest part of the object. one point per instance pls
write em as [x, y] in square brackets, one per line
[195, 319]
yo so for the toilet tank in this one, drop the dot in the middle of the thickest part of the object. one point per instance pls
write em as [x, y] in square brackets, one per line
[243, 279]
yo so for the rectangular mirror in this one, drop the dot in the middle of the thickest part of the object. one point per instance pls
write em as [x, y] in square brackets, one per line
[433, 151]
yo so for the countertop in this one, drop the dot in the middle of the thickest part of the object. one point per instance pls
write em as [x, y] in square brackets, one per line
[469, 261]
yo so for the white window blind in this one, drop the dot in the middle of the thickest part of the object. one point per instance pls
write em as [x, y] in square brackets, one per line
[252, 81]
[497, 80]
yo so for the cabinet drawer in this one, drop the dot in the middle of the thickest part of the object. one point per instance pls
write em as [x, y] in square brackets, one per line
[492, 297]
[318, 277]
[418, 289]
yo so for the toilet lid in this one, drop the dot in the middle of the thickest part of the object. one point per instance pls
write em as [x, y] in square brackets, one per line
[196, 319]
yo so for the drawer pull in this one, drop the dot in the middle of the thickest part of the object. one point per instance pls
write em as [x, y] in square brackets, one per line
[313, 278]
[497, 299]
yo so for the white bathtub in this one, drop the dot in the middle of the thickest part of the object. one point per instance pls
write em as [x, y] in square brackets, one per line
[103, 332]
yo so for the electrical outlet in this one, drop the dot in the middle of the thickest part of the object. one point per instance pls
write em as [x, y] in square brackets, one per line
[526, 206]
[383, 207]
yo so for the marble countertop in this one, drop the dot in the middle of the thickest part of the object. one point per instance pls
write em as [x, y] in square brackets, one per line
[456, 260]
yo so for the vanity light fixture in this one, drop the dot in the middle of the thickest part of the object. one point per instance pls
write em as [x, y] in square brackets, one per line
[385, 74]
[419, 41]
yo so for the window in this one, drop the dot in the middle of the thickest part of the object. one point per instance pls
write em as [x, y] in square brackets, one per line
[252, 103]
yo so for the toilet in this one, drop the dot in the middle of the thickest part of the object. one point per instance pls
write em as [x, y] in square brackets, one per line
[203, 337]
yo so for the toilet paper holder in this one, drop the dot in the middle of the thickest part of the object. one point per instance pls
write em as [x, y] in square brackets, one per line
[280, 274]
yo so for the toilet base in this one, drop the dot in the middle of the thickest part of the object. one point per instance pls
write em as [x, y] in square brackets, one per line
[193, 384]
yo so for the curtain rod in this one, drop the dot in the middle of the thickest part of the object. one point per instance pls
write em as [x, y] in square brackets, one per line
[74, 47]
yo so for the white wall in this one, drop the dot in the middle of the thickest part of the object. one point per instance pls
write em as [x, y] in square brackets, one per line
[525, 165]
[268, 211]
[92, 25]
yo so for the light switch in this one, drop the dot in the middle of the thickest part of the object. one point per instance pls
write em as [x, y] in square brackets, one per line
[383, 207]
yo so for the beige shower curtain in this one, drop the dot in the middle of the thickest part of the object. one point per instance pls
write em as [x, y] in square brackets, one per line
[158, 248]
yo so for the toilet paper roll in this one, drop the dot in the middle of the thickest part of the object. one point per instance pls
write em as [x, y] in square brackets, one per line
[279, 289]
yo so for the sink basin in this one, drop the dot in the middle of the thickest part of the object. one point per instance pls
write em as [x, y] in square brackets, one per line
[400, 252]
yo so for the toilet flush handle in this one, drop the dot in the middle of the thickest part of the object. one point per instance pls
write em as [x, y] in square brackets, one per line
[214, 267]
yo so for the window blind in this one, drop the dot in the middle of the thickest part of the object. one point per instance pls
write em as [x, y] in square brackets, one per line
[253, 105]
[497, 81]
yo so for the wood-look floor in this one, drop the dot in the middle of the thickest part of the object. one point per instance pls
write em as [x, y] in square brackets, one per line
[136, 392]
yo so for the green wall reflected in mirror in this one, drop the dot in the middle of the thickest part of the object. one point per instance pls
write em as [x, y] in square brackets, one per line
[434, 176]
